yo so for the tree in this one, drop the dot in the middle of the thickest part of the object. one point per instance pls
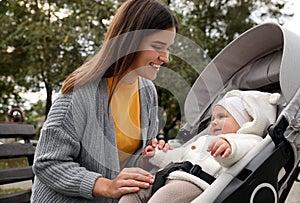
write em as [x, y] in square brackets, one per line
[36, 115]
[43, 41]
[8, 95]
[211, 24]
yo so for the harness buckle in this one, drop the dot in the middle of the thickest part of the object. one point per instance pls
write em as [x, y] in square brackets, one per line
[196, 170]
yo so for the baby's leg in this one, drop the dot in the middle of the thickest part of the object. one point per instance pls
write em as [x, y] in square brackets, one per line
[176, 191]
[142, 196]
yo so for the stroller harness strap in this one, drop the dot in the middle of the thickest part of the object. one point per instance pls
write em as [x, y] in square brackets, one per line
[186, 166]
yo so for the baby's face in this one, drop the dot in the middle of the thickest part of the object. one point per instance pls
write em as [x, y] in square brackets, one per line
[222, 122]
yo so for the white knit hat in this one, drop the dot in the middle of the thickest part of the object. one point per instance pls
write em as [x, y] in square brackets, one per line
[236, 108]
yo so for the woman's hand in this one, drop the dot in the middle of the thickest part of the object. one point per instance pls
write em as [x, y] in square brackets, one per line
[129, 180]
[219, 147]
[160, 144]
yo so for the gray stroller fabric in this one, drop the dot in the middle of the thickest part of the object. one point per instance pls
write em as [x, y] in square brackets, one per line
[292, 134]
[263, 58]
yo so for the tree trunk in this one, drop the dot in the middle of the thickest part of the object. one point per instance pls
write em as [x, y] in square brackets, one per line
[48, 99]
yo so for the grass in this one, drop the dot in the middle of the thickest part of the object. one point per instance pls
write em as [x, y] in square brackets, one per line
[13, 163]
[11, 191]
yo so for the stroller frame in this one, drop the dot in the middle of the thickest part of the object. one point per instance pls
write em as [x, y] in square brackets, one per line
[261, 61]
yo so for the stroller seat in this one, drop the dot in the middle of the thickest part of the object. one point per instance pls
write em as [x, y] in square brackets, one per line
[263, 58]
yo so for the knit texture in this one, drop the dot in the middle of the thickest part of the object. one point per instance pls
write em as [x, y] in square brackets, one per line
[236, 108]
[261, 107]
[77, 143]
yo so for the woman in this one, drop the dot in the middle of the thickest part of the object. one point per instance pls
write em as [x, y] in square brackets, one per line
[107, 113]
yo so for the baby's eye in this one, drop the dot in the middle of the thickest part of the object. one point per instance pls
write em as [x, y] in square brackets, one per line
[222, 116]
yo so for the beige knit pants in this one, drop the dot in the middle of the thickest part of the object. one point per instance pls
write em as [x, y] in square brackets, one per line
[175, 191]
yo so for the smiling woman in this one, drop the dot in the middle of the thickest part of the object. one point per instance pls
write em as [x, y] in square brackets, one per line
[152, 54]
[88, 148]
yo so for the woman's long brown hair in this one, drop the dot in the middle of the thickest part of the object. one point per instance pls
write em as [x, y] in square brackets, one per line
[121, 43]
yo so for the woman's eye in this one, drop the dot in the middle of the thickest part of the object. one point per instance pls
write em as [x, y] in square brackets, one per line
[157, 47]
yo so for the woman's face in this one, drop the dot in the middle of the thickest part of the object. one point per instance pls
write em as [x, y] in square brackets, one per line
[222, 122]
[153, 52]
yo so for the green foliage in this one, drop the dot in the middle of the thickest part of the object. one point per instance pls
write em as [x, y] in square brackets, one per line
[44, 41]
[36, 116]
[210, 24]
[9, 97]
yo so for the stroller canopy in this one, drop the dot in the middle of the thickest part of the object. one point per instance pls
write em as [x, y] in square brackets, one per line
[262, 57]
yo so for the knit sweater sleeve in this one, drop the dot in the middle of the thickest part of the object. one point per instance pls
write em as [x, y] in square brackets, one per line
[55, 164]
[240, 144]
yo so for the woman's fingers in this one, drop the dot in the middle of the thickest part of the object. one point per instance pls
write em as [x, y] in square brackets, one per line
[126, 190]
[134, 183]
[136, 174]
[135, 177]
[129, 180]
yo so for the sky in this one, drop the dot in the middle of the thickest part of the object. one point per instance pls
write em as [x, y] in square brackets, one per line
[292, 24]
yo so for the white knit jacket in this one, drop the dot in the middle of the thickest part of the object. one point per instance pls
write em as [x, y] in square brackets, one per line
[260, 106]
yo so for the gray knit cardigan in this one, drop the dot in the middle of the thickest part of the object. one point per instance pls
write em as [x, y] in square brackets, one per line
[77, 143]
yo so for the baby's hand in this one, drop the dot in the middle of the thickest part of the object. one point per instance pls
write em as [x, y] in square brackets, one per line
[161, 145]
[149, 151]
[219, 147]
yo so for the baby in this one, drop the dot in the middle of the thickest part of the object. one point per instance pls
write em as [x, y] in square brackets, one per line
[238, 122]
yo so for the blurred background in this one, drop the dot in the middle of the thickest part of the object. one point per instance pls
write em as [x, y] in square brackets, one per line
[42, 41]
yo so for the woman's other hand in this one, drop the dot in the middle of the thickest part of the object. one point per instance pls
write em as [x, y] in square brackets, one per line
[129, 180]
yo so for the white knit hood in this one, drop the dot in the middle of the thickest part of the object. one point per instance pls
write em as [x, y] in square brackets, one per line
[261, 106]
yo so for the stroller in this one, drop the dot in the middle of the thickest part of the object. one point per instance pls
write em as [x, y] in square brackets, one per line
[263, 58]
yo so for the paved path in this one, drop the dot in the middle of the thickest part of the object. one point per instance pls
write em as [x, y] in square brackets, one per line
[294, 195]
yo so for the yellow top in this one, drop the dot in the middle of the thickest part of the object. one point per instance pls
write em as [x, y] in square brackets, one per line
[125, 106]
